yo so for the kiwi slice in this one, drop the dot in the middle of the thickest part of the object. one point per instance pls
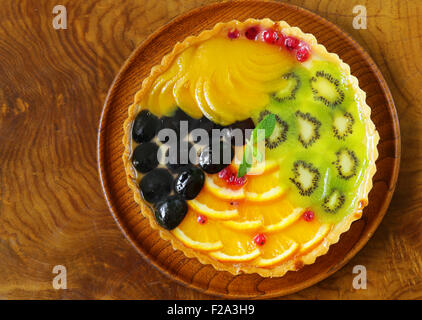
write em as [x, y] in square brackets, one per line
[334, 201]
[279, 134]
[308, 128]
[343, 125]
[288, 92]
[346, 163]
[326, 88]
[306, 177]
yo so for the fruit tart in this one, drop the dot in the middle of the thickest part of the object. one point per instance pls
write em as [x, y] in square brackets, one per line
[251, 148]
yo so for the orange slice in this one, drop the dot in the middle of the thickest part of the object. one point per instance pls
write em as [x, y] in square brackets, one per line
[198, 236]
[270, 212]
[316, 240]
[265, 166]
[258, 168]
[222, 192]
[221, 256]
[213, 207]
[263, 187]
[237, 247]
[263, 262]
[285, 222]
[277, 249]
[308, 234]
[202, 246]
[243, 225]
[265, 196]
[212, 213]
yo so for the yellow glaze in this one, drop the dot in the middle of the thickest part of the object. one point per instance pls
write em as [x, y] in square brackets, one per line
[231, 80]
[225, 80]
[232, 224]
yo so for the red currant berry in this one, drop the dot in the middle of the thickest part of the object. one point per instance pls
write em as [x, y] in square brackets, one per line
[308, 215]
[230, 179]
[291, 43]
[223, 174]
[233, 34]
[270, 36]
[259, 239]
[226, 174]
[280, 39]
[239, 181]
[302, 54]
[251, 33]
[202, 219]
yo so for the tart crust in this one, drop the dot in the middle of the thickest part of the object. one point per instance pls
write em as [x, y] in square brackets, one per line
[336, 230]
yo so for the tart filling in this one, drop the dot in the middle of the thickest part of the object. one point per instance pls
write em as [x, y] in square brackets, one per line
[222, 199]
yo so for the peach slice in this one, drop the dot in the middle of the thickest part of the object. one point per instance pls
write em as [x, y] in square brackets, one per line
[184, 98]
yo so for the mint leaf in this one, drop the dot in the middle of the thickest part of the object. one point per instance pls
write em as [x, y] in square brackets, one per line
[267, 125]
[258, 155]
[246, 161]
[251, 151]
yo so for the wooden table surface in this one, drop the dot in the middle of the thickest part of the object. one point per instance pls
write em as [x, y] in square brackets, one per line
[53, 85]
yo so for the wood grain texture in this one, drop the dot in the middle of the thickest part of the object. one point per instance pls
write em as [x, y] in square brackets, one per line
[190, 271]
[52, 210]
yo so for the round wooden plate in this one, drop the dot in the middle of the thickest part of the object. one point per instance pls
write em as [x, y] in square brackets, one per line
[159, 252]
